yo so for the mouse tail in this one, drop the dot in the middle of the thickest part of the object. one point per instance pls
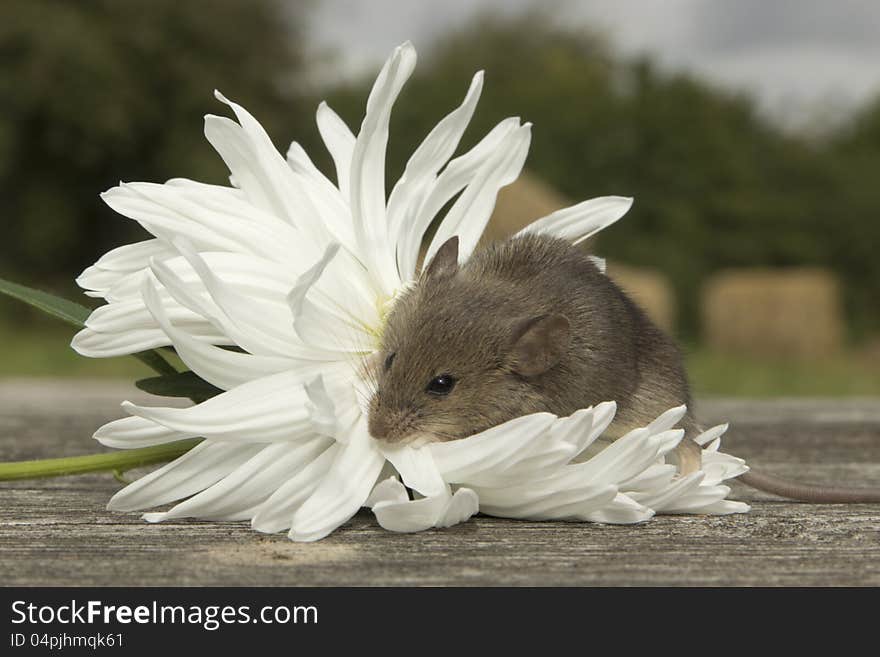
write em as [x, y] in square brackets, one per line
[808, 493]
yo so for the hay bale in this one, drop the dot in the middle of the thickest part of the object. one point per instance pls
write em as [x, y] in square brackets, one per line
[650, 289]
[794, 313]
[869, 351]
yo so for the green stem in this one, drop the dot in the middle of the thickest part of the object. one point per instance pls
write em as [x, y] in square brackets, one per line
[114, 461]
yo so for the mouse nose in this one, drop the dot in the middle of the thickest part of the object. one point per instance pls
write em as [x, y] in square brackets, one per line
[377, 426]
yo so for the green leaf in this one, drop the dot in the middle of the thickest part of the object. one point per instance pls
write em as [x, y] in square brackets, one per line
[76, 314]
[70, 311]
[181, 384]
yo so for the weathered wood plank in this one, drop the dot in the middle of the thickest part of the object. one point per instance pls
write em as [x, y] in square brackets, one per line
[57, 531]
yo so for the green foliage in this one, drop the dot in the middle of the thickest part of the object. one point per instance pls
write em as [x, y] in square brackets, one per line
[855, 159]
[96, 91]
[715, 185]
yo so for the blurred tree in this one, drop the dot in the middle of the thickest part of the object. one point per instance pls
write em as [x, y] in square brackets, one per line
[856, 216]
[97, 91]
[715, 185]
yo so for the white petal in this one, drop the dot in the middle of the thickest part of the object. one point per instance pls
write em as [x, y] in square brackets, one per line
[173, 212]
[622, 510]
[387, 490]
[720, 467]
[339, 141]
[331, 206]
[545, 503]
[329, 309]
[416, 467]
[462, 461]
[711, 434]
[343, 490]
[548, 450]
[627, 456]
[236, 495]
[551, 457]
[471, 211]
[441, 510]
[427, 160]
[245, 271]
[260, 313]
[121, 261]
[601, 416]
[323, 415]
[274, 408]
[699, 498]
[652, 477]
[131, 257]
[368, 169]
[276, 513]
[455, 177]
[667, 497]
[260, 171]
[220, 367]
[239, 332]
[344, 292]
[104, 345]
[297, 297]
[412, 516]
[123, 316]
[464, 504]
[200, 467]
[134, 432]
[583, 220]
[667, 419]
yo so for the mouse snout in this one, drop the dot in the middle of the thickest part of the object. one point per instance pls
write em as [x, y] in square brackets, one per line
[390, 425]
[377, 425]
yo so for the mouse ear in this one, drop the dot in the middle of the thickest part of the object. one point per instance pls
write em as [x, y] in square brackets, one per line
[445, 262]
[538, 343]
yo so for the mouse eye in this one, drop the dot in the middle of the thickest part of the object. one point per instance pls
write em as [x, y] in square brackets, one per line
[441, 385]
[389, 360]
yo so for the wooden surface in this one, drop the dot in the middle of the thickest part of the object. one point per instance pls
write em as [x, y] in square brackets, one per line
[57, 532]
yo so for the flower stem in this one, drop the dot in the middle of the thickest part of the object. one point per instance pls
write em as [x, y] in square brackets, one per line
[119, 461]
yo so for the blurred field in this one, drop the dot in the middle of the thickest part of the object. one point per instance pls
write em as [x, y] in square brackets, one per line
[45, 352]
[847, 374]
[753, 242]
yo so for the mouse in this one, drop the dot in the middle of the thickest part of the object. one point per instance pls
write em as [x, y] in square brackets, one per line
[526, 325]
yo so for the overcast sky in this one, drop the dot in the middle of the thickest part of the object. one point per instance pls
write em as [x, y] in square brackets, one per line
[806, 61]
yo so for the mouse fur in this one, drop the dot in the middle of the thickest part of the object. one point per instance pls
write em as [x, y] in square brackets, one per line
[525, 325]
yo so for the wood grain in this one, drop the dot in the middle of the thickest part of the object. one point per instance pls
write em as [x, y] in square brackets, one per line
[57, 532]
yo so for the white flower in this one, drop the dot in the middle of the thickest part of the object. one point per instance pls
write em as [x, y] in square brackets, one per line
[541, 467]
[274, 290]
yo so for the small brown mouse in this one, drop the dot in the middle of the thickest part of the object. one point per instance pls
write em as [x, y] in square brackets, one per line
[526, 325]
